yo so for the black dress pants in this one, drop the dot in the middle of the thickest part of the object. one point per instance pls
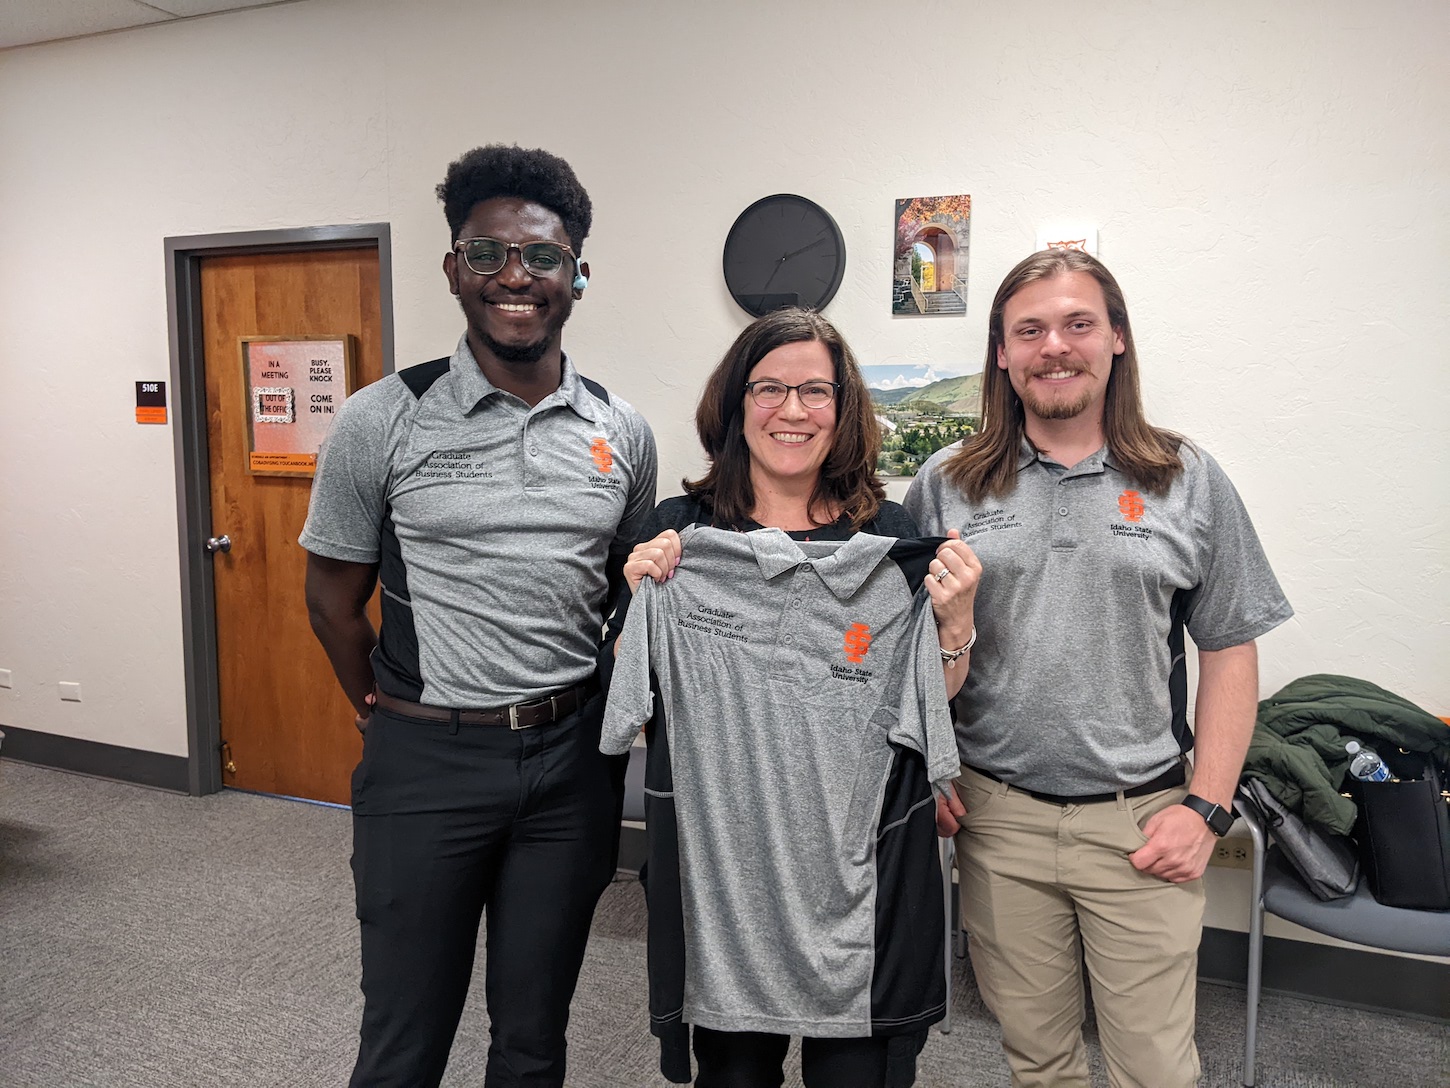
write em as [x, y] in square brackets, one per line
[455, 823]
[754, 1059]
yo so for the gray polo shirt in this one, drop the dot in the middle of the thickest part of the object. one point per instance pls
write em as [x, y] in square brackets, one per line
[1078, 683]
[792, 675]
[491, 522]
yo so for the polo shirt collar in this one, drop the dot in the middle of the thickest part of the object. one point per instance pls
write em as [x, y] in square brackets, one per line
[843, 571]
[1027, 453]
[470, 386]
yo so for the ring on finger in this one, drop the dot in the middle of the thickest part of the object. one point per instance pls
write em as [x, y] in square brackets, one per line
[941, 575]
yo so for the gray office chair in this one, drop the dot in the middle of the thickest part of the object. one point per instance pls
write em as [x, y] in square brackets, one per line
[1357, 918]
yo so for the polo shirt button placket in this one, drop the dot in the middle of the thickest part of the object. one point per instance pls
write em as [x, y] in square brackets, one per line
[796, 602]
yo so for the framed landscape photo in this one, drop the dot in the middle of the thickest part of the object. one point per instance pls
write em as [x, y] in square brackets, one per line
[294, 386]
[921, 408]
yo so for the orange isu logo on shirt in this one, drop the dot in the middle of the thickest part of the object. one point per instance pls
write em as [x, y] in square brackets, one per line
[858, 641]
[1130, 503]
[603, 455]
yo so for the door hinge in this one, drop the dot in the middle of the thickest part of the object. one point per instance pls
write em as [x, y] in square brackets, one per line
[228, 764]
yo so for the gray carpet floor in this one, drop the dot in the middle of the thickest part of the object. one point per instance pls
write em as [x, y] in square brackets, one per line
[149, 940]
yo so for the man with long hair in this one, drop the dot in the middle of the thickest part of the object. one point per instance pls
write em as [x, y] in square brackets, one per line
[1101, 538]
[495, 493]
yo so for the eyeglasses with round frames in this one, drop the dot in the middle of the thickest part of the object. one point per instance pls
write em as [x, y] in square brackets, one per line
[487, 256]
[768, 393]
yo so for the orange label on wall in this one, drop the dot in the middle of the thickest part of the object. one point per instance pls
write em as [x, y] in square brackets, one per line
[150, 402]
[283, 462]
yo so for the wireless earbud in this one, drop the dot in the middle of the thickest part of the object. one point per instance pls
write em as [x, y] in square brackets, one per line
[581, 281]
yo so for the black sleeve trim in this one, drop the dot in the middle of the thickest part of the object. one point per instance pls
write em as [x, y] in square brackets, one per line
[419, 379]
[594, 387]
[914, 556]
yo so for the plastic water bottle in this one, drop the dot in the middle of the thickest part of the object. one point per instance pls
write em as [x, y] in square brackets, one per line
[1365, 764]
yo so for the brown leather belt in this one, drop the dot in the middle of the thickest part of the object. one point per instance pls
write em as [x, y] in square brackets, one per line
[519, 716]
[1173, 776]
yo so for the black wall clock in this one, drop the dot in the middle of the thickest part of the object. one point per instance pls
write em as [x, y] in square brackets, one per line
[784, 250]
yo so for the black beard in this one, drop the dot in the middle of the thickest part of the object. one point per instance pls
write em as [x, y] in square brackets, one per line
[514, 353]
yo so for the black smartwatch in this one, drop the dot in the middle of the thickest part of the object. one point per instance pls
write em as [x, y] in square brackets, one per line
[1218, 819]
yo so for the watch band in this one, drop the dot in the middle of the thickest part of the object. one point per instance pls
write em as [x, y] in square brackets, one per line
[1219, 820]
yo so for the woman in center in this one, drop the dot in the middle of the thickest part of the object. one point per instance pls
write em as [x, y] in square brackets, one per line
[787, 423]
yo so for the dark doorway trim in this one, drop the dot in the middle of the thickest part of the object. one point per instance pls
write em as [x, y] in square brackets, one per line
[184, 255]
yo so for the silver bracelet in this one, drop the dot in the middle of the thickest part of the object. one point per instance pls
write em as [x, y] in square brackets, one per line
[950, 656]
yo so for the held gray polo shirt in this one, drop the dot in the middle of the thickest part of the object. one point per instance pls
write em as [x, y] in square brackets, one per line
[796, 678]
[1078, 683]
[491, 523]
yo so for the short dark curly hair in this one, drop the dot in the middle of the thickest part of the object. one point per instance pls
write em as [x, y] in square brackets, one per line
[527, 173]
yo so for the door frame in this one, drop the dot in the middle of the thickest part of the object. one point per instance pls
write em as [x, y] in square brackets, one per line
[184, 255]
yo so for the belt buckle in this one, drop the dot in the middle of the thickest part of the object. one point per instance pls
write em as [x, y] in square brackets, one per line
[514, 723]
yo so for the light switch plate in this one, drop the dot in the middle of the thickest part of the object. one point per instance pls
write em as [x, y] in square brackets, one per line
[69, 692]
[5, 679]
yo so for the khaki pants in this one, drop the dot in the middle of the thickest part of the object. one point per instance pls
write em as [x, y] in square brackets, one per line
[1045, 886]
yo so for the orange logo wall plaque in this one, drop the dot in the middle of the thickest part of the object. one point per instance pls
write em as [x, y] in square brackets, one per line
[858, 641]
[1130, 504]
[603, 455]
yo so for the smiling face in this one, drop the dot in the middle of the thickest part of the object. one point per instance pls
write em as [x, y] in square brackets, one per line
[1058, 347]
[512, 316]
[789, 443]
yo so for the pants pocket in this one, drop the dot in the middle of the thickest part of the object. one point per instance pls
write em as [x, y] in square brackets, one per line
[978, 793]
[1139, 810]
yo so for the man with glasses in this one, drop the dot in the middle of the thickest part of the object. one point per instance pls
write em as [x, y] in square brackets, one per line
[495, 494]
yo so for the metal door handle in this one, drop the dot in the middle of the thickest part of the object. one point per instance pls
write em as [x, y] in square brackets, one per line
[221, 543]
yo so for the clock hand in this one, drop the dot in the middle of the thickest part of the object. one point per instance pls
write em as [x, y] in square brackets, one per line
[797, 252]
[773, 271]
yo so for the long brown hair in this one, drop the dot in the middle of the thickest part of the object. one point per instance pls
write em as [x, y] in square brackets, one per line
[986, 465]
[847, 482]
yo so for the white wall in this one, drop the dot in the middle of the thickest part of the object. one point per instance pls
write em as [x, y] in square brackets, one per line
[1270, 182]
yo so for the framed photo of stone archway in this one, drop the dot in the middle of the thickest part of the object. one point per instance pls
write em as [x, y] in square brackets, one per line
[931, 248]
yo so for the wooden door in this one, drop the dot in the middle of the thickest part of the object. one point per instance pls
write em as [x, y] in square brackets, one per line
[285, 726]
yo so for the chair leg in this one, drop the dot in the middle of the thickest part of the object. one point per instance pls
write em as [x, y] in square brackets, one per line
[1256, 954]
[948, 859]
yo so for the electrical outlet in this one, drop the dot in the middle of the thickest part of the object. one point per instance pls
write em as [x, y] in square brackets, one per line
[5, 679]
[1233, 853]
[69, 692]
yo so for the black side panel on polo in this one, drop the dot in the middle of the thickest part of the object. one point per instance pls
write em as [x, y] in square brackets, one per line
[1178, 670]
[908, 990]
[421, 377]
[665, 950]
[395, 658]
[914, 557]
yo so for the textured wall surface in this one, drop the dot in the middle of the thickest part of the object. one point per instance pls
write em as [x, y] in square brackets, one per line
[1269, 182]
